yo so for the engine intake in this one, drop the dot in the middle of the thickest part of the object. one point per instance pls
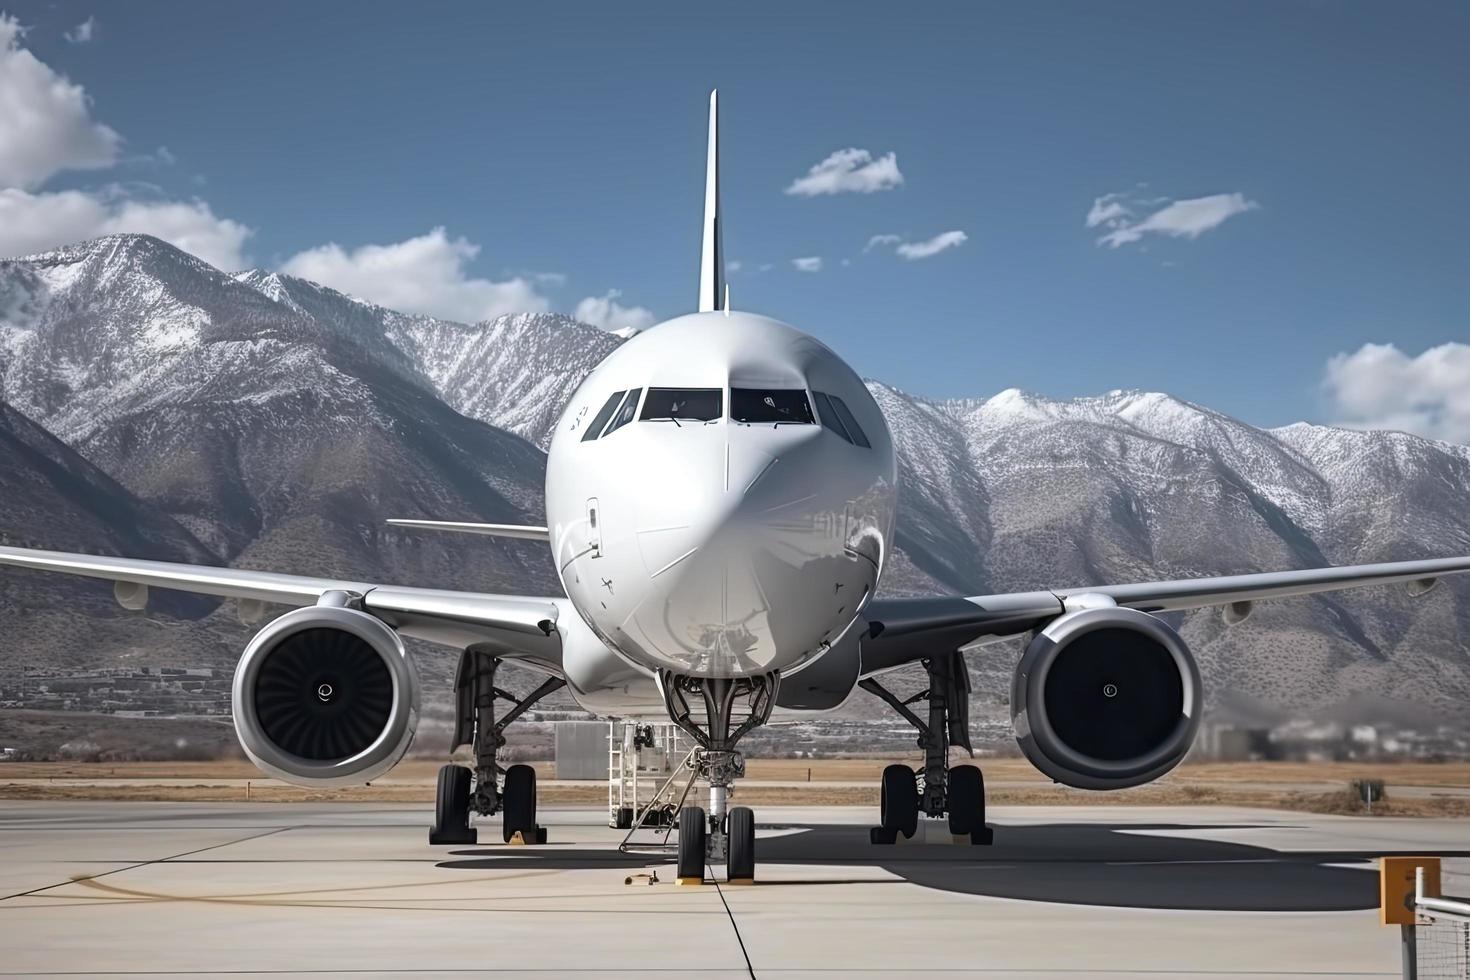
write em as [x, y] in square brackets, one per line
[324, 696]
[1106, 698]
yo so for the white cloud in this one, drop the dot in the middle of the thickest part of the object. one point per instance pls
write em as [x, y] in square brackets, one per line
[849, 171]
[606, 312]
[45, 121]
[83, 33]
[734, 265]
[1380, 387]
[935, 245]
[918, 250]
[425, 275]
[810, 263]
[36, 222]
[1189, 218]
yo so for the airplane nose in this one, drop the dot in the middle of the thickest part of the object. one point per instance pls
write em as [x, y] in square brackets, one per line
[722, 556]
[697, 507]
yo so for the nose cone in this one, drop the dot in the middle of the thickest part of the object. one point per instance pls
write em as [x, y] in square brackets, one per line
[745, 577]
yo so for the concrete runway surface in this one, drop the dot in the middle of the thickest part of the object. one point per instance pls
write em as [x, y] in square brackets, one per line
[116, 889]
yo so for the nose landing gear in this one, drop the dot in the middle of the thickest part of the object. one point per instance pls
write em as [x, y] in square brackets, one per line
[724, 834]
[958, 792]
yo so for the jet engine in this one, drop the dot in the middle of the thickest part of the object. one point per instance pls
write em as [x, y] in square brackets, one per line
[1106, 698]
[325, 696]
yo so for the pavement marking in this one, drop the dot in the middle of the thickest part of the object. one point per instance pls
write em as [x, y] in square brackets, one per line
[77, 879]
[733, 924]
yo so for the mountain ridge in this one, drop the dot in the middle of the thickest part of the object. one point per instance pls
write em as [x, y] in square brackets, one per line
[280, 421]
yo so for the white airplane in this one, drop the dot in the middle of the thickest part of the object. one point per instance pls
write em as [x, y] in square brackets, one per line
[720, 495]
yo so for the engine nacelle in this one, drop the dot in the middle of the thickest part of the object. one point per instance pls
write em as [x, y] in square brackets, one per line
[1106, 698]
[326, 696]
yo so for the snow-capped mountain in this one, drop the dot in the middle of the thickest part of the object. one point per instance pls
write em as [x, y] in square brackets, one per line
[280, 421]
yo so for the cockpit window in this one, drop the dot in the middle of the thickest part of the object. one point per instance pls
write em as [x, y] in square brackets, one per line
[770, 405]
[837, 417]
[683, 404]
[626, 411]
[849, 423]
[594, 428]
[829, 416]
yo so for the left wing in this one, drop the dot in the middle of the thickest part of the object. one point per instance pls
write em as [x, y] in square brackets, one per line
[904, 630]
[525, 531]
[521, 627]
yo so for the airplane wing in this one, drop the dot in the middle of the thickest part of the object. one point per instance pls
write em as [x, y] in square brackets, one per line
[523, 531]
[523, 627]
[901, 631]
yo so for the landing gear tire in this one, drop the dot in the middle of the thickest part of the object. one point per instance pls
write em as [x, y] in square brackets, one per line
[519, 798]
[452, 808]
[966, 805]
[693, 828]
[898, 806]
[740, 863]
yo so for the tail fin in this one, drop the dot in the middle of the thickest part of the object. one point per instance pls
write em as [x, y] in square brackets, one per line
[712, 257]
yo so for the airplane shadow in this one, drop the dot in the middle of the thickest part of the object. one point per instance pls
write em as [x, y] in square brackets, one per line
[1122, 866]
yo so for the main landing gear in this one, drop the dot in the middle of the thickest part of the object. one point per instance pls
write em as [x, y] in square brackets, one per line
[938, 789]
[487, 789]
[725, 834]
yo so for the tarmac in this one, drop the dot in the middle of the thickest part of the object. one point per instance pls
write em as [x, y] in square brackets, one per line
[213, 889]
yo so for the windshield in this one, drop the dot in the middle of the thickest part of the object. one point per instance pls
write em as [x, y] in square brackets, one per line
[683, 404]
[770, 405]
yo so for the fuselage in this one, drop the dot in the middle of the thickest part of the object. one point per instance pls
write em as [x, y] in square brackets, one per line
[720, 494]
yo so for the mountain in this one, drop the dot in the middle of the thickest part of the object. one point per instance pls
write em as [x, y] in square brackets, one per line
[50, 497]
[514, 372]
[279, 421]
[280, 437]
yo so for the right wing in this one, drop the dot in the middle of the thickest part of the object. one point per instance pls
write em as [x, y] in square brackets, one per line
[519, 627]
[901, 631]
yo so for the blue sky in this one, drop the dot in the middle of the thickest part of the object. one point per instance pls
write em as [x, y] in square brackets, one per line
[1315, 155]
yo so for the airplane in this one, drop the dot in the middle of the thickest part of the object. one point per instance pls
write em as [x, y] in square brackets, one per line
[720, 502]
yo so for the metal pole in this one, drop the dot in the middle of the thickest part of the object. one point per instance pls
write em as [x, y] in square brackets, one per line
[1408, 945]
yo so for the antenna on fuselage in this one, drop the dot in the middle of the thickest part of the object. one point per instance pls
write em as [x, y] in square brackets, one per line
[712, 255]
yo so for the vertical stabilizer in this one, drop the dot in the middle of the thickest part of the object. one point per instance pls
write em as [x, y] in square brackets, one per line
[712, 255]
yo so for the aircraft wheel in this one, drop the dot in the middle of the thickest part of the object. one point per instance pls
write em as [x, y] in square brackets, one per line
[966, 803]
[519, 802]
[898, 806]
[693, 829]
[740, 865]
[452, 808]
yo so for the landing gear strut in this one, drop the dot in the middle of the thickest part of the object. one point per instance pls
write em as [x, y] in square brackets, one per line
[724, 834]
[495, 790]
[958, 792]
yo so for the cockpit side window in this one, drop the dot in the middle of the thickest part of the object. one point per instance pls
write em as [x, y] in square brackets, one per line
[849, 423]
[594, 428]
[683, 405]
[829, 416]
[837, 417]
[770, 405]
[625, 413]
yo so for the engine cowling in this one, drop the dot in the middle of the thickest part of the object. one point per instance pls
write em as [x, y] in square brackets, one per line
[1106, 698]
[326, 696]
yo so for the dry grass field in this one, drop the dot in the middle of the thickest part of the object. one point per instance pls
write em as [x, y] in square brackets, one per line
[1314, 787]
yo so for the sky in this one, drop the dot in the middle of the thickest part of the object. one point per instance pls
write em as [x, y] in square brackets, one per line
[1258, 207]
